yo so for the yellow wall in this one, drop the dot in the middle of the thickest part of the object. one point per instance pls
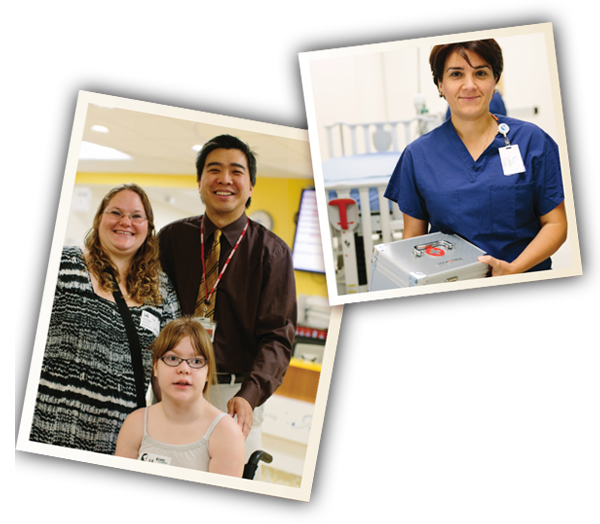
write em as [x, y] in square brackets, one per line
[280, 197]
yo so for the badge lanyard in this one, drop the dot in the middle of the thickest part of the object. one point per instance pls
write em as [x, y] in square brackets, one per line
[207, 294]
[510, 156]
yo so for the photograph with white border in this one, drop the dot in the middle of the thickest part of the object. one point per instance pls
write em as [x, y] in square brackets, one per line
[365, 104]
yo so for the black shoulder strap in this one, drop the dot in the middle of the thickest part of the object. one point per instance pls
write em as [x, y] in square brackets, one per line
[134, 343]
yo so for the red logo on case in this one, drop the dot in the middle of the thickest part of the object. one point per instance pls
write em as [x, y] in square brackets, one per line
[435, 251]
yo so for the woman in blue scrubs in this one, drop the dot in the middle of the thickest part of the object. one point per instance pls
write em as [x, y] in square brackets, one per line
[462, 178]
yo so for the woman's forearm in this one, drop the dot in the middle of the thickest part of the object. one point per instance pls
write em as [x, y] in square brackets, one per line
[550, 237]
[544, 245]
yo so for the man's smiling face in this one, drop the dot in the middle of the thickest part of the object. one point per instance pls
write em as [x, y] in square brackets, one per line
[225, 185]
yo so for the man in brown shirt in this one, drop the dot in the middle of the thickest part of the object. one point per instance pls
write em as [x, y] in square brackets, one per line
[255, 298]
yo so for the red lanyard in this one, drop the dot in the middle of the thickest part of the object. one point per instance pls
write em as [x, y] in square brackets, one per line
[206, 294]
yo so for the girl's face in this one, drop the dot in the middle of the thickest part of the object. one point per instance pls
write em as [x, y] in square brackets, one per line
[181, 382]
[468, 89]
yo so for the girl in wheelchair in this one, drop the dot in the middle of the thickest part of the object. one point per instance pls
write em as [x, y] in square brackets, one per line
[183, 429]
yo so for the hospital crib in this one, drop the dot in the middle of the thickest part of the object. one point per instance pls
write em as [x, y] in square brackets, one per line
[360, 217]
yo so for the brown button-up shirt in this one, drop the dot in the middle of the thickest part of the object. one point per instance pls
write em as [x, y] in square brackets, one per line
[255, 309]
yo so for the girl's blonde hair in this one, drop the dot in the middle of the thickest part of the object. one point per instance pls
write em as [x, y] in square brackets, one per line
[143, 280]
[178, 329]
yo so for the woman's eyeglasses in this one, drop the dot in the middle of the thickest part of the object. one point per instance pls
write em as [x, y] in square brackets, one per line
[135, 218]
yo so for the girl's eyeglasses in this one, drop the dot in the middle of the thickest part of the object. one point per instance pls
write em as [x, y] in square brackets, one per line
[194, 363]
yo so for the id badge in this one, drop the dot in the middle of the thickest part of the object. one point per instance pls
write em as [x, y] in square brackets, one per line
[209, 325]
[153, 457]
[512, 162]
[150, 322]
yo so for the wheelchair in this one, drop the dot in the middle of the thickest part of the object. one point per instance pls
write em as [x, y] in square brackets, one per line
[253, 462]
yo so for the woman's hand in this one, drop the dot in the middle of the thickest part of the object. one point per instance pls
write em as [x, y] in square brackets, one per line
[498, 267]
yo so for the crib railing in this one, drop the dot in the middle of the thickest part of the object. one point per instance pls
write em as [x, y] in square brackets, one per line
[377, 136]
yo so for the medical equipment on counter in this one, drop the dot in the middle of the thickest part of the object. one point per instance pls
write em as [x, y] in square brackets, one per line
[313, 311]
[427, 259]
[314, 314]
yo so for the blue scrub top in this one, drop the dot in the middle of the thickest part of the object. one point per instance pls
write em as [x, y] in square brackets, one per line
[437, 180]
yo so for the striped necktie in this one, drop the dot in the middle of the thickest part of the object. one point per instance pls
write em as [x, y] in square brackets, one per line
[212, 272]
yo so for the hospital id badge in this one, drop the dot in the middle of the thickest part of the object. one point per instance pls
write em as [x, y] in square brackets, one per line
[209, 325]
[512, 162]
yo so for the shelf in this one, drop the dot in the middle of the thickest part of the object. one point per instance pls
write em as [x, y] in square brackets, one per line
[305, 364]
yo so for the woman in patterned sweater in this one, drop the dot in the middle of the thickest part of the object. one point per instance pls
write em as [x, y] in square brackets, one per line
[87, 386]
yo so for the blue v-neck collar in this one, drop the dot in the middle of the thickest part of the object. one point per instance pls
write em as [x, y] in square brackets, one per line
[472, 167]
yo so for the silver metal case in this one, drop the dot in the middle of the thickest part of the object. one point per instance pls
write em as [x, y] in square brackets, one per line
[428, 259]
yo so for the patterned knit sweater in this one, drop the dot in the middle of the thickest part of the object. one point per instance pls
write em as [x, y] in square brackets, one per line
[87, 386]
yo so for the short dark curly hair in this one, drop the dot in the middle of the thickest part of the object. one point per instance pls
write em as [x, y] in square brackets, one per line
[487, 49]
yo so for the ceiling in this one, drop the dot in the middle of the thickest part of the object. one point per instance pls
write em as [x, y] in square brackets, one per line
[163, 145]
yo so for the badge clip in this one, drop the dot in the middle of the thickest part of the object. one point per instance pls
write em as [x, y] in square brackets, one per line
[503, 129]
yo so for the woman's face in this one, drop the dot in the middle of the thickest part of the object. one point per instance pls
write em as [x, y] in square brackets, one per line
[119, 236]
[468, 89]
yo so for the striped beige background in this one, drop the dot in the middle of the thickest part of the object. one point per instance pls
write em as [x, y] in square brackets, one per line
[201, 53]
[468, 406]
